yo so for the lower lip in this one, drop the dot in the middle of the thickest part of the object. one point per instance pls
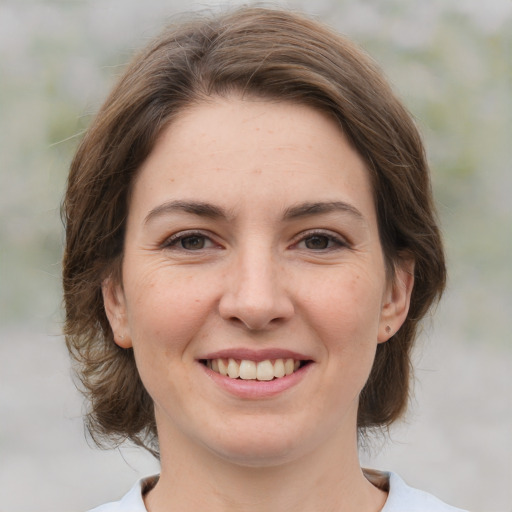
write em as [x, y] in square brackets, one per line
[257, 389]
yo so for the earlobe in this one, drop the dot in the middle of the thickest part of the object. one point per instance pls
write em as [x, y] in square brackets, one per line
[397, 300]
[115, 309]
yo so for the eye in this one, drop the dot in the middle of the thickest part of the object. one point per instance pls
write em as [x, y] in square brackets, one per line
[317, 242]
[188, 242]
[321, 242]
[193, 243]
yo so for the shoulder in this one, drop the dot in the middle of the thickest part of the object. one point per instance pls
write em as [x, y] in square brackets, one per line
[132, 501]
[403, 498]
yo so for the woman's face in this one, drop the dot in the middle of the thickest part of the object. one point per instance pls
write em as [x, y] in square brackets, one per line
[252, 249]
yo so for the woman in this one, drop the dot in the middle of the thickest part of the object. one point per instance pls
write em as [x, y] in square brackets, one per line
[250, 245]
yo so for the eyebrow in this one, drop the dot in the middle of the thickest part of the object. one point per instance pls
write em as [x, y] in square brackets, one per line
[208, 210]
[199, 208]
[319, 208]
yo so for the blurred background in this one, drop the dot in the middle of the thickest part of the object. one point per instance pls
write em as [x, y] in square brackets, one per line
[451, 62]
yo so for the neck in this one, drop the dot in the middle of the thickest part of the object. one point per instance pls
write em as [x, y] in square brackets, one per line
[329, 480]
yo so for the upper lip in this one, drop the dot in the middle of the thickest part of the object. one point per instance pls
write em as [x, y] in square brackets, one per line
[256, 355]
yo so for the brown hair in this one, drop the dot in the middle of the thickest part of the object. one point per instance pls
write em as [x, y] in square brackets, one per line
[267, 53]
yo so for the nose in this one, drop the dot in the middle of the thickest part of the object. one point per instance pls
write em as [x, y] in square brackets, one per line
[255, 294]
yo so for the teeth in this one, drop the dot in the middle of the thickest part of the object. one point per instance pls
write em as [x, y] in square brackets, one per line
[265, 371]
[247, 370]
[252, 370]
[223, 367]
[288, 366]
[233, 369]
[279, 370]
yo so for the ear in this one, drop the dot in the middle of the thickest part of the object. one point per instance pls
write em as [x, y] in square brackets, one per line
[396, 300]
[115, 308]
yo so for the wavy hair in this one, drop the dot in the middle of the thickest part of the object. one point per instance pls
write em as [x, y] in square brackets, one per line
[272, 54]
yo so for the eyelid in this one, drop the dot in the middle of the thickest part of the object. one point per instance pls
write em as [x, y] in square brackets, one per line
[172, 240]
[339, 240]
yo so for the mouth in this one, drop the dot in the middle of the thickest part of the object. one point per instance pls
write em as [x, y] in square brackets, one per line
[246, 369]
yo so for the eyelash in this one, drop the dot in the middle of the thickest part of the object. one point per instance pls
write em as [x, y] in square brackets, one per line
[335, 242]
[173, 241]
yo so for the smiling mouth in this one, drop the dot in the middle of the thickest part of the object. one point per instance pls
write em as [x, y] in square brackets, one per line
[251, 370]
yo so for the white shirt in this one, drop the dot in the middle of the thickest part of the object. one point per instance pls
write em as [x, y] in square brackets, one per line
[401, 498]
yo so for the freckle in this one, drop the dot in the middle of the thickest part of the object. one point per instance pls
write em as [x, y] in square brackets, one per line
[257, 171]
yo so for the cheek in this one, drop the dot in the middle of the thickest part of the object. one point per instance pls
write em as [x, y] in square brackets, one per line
[166, 308]
[345, 305]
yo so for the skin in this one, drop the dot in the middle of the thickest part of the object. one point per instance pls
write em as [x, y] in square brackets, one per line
[253, 270]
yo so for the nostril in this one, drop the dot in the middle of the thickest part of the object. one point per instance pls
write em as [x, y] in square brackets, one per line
[256, 302]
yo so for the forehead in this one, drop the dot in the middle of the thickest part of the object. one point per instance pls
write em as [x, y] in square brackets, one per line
[240, 151]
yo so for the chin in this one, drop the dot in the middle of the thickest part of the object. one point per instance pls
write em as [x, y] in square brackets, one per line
[260, 446]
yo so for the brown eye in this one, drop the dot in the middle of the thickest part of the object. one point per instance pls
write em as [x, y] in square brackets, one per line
[317, 242]
[320, 242]
[193, 243]
[188, 241]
